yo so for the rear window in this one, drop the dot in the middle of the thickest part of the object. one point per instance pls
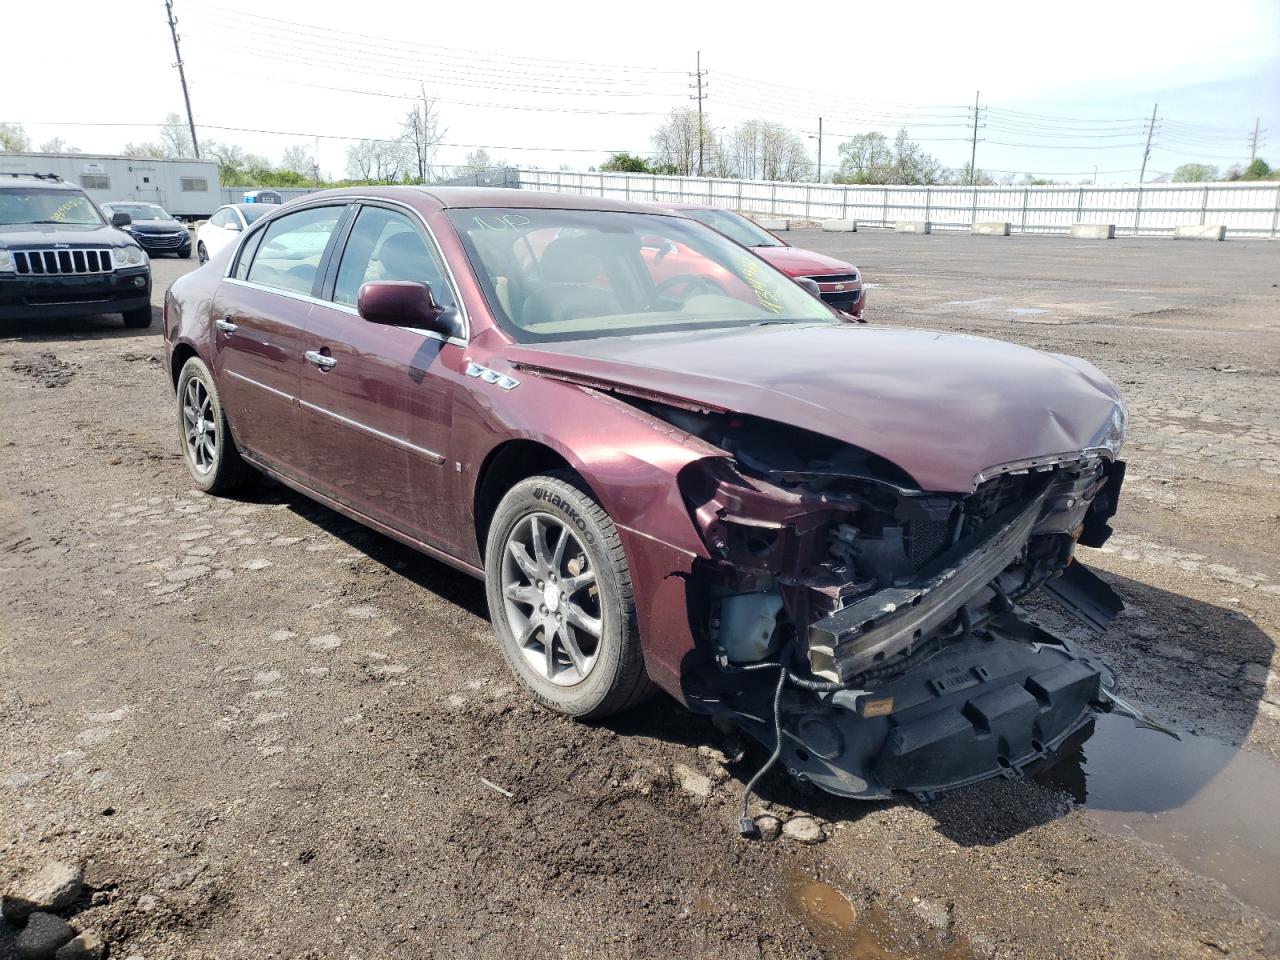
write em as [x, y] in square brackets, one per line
[289, 255]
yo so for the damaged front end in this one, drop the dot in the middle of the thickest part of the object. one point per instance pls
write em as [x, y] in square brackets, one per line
[876, 626]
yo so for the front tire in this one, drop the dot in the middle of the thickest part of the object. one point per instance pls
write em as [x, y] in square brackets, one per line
[560, 599]
[202, 252]
[208, 447]
[138, 319]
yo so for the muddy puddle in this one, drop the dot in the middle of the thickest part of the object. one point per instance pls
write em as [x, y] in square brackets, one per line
[843, 932]
[1208, 805]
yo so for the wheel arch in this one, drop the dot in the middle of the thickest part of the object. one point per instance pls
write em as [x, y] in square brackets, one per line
[506, 465]
[182, 352]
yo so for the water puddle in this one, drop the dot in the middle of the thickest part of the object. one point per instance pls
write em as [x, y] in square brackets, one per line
[1207, 804]
[843, 932]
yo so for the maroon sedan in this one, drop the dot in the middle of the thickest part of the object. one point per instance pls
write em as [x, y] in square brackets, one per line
[839, 283]
[709, 482]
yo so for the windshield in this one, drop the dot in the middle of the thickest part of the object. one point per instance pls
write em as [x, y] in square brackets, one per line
[140, 211]
[736, 227]
[252, 212]
[34, 205]
[577, 274]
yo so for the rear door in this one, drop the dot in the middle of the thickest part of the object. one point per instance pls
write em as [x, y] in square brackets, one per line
[377, 401]
[259, 315]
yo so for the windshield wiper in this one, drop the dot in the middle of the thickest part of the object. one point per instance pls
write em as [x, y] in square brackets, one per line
[65, 223]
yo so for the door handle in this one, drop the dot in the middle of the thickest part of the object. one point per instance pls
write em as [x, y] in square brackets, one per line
[226, 326]
[320, 360]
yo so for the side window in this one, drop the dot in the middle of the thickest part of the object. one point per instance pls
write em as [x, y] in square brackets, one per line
[246, 255]
[288, 257]
[385, 245]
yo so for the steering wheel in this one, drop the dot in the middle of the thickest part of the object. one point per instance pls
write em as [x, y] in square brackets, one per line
[692, 281]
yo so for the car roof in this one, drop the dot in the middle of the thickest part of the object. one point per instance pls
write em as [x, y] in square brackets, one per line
[449, 198]
[37, 180]
[696, 206]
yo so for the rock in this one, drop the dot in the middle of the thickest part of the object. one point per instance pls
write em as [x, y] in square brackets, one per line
[803, 830]
[148, 902]
[87, 946]
[769, 827]
[692, 782]
[326, 643]
[42, 936]
[55, 887]
[933, 912]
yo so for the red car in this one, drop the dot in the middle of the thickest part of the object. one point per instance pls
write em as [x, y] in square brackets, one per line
[708, 482]
[839, 283]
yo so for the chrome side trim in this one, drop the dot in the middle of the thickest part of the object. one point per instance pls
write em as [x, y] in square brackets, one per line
[335, 201]
[261, 386]
[428, 455]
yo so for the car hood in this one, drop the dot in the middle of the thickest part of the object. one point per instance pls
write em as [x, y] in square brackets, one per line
[795, 262]
[943, 407]
[44, 234]
[156, 226]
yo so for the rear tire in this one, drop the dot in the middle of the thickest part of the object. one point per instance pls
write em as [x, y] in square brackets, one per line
[138, 319]
[556, 576]
[208, 447]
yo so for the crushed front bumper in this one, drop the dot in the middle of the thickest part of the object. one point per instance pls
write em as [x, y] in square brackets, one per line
[1005, 697]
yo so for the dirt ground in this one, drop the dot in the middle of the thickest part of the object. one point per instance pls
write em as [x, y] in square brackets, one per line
[264, 728]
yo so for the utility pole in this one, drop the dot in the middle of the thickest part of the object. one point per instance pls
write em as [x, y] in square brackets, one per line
[973, 150]
[182, 75]
[1146, 154]
[819, 149]
[1253, 142]
[699, 75]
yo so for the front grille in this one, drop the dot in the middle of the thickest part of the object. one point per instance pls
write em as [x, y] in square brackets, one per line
[836, 278]
[167, 241]
[843, 299]
[62, 262]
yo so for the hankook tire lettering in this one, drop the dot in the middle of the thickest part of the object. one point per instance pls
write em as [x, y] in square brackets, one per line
[554, 499]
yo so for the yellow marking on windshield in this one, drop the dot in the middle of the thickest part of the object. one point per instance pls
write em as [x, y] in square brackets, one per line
[508, 221]
[751, 274]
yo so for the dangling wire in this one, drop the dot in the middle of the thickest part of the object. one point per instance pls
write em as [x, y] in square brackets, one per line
[747, 826]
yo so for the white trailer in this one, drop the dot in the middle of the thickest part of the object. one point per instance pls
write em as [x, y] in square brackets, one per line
[188, 189]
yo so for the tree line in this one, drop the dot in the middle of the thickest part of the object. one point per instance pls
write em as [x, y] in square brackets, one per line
[685, 144]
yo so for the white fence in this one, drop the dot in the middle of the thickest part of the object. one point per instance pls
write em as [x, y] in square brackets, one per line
[1247, 209]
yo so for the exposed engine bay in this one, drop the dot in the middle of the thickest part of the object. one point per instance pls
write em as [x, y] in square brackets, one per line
[876, 626]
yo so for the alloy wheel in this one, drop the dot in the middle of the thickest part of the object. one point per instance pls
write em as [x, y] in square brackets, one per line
[200, 426]
[551, 599]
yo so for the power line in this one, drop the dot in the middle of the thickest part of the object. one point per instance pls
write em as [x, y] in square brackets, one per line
[293, 29]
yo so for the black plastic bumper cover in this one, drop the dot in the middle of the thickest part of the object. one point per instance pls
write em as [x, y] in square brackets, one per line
[987, 706]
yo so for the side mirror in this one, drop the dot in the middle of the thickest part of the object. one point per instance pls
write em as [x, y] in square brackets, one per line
[233, 225]
[811, 285]
[121, 220]
[403, 303]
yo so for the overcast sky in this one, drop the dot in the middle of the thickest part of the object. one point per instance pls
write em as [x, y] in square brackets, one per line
[1068, 86]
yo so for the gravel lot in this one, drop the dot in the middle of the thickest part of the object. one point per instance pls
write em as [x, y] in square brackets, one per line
[264, 729]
